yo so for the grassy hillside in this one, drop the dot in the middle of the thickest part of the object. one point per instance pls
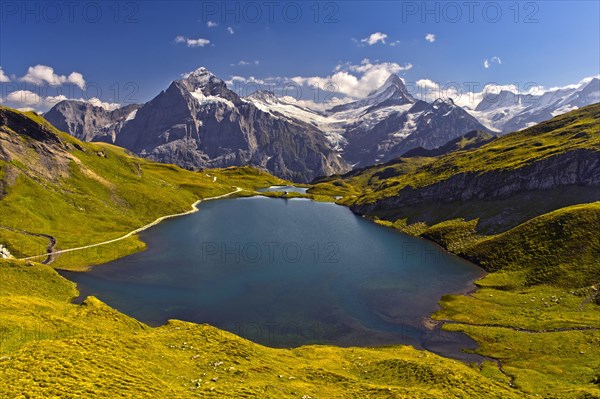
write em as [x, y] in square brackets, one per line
[553, 146]
[473, 139]
[357, 182]
[50, 346]
[536, 315]
[537, 312]
[84, 193]
[577, 130]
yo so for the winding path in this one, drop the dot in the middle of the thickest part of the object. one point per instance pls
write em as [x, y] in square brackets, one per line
[51, 243]
[194, 209]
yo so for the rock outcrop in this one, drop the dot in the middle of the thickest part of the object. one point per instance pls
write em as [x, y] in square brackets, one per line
[575, 168]
[88, 122]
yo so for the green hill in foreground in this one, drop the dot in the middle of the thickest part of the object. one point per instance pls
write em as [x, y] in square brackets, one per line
[83, 193]
[536, 314]
[53, 348]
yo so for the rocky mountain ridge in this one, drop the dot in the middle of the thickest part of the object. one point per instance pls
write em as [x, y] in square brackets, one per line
[199, 122]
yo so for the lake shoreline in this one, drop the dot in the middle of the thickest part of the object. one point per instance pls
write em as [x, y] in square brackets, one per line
[132, 233]
[423, 328]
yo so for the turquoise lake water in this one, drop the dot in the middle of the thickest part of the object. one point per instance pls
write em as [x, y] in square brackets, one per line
[287, 272]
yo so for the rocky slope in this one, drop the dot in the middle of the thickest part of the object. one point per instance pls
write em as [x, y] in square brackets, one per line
[383, 125]
[198, 122]
[88, 122]
[553, 164]
[507, 111]
[575, 168]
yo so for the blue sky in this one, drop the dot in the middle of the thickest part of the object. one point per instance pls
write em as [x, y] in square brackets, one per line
[127, 51]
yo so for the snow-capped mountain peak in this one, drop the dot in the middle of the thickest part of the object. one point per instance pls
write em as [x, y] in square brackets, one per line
[392, 92]
[264, 96]
[198, 122]
[204, 80]
[200, 73]
[443, 105]
[204, 85]
[508, 111]
[392, 88]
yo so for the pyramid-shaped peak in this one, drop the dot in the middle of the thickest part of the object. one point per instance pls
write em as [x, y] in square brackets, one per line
[204, 81]
[393, 88]
[393, 78]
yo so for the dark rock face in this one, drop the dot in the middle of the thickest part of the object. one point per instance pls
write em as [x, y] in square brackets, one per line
[198, 122]
[439, 123]
[423, 125]
[88, 122]
[24, 126]
[575, 168]
[43, 153]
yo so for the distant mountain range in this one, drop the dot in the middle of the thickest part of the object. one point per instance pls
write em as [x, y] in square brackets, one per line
[499, 182]
[198, 122]
[507, 112]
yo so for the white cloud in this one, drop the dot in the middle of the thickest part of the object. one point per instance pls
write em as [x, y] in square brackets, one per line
[395, 43]
[3, 77]
[200, 42]
[241, 80]
[99, 103]
[354, 80]
[230, 30]
[26, 99]
[464, 94]
[581, 83]
[430, 37]
[246, 63]
[77, 79]
[488, 63]
[527, 89]
[43, 74]
[374, 38]
[212, 24]
[427, 84]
